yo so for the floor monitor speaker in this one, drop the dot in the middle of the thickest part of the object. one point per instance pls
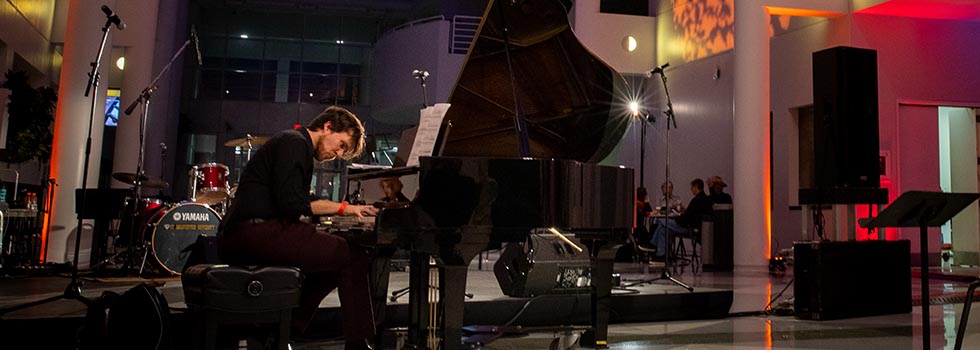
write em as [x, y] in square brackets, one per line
[835, 280]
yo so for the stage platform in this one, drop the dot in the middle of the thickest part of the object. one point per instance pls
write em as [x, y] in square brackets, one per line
[54, 325]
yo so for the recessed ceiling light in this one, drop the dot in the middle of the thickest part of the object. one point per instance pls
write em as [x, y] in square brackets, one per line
[629, 43]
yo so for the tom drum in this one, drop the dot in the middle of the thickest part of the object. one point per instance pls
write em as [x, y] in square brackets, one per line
[208, 183]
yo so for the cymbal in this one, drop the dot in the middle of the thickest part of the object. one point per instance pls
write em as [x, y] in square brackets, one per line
[243, 142]
[146, 180]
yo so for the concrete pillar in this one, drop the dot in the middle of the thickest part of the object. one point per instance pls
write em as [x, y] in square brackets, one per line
[750, 189]
[139, 39]
[72, 119]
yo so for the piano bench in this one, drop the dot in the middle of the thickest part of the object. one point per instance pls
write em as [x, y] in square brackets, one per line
[240, 296]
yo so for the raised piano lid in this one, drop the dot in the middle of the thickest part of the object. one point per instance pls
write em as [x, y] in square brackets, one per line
[573, 102]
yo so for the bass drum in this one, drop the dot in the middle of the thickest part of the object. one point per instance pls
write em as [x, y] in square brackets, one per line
[171, 232]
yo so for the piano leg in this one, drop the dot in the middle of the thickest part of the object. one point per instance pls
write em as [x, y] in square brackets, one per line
[380, 270]
[602, 269]
[452, 298]
[418, 300]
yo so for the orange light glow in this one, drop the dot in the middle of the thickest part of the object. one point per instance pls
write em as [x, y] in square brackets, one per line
[786, 11]
[768, 322]
[707, 27]
[767, 202]
[44, 231]
[768, 334]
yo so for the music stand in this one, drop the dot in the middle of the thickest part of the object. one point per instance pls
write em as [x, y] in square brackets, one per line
[923, 210]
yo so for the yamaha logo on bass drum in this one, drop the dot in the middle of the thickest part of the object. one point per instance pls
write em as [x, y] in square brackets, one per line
[204, 217]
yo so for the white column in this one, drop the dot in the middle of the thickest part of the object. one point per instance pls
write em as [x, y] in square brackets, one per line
[72, 118]
[139, 39]
[750, 189]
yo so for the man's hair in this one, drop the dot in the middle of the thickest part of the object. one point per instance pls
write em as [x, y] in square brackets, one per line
[699, 184]
[341, 120]
[394, 182]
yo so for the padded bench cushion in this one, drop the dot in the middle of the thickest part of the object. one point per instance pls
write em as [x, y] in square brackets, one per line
[242, 288]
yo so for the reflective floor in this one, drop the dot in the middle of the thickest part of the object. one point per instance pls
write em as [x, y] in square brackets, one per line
[752, 291]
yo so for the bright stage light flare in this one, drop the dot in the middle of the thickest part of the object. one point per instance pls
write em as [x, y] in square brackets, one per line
[635, 108]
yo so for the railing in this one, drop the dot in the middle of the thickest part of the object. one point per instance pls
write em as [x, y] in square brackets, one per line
[461, 36]
[418, 21]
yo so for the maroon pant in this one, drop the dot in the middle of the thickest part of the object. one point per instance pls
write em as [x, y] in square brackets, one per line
[325, 259]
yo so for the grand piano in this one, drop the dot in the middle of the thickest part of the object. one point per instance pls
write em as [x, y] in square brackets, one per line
[532, 113]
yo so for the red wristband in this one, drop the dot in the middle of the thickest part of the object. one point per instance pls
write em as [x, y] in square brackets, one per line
[343, 205]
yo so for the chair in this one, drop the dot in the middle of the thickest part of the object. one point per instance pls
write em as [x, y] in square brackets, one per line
[219, 295]
[965, 316]
[641, 251]
[693, 235]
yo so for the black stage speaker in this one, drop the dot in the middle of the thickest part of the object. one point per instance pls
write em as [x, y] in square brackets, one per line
[543, 265]
[845, 130]
[835, 280]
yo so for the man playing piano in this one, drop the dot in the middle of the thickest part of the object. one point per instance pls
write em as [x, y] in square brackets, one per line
[263, 223]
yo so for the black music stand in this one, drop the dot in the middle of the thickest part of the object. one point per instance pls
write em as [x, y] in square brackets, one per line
[923, 210]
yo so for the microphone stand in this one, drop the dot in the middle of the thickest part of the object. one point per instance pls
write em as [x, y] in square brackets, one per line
[421, 75]
[74, 289]
[671, 121]
[144, 99]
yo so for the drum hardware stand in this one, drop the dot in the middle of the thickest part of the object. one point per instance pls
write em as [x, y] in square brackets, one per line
[193, 175]
[248, 143]
[74, 289]
[144, 99]
[671, 121]
[146, 251]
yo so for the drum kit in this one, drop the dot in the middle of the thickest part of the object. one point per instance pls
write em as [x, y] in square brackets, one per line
[158, 233]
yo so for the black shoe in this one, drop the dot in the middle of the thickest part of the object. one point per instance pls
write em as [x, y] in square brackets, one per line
[357, 344]
[658, 258]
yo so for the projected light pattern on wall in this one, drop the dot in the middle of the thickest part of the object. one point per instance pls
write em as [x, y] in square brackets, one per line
[707, 27]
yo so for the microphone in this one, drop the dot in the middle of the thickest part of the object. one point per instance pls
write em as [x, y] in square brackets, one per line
[145, 94]
[197, 45]
[658, 70]
[163, 150]
[113, 18]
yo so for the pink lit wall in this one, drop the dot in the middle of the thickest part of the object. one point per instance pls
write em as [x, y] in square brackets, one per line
[920, 60]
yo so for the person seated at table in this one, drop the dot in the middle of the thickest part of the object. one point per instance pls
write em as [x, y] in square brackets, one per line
[669, 200]
[641, 232]
[716, 190]
[699, 206]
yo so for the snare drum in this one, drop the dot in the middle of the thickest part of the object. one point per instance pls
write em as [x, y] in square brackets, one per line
[170, 232]
[208, 183]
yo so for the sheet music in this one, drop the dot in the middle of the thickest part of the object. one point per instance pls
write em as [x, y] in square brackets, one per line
[430, 121]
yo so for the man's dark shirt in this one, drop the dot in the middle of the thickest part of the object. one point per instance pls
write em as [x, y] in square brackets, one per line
[720, 198]
[276, 181]
[699, 207]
